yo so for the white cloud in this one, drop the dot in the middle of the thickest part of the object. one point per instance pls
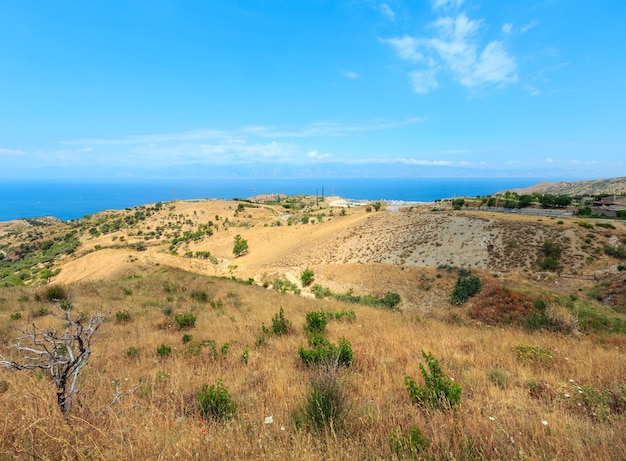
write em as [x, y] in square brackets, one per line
[317, 156]
[525, 28]
[507, 28]
[532, 90]
[387, 11]
[10, 152]
[351, 74]
[423, 80]
[447, 4]
[455, 48]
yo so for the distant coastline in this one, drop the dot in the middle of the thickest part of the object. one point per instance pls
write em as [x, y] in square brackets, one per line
[72, 199]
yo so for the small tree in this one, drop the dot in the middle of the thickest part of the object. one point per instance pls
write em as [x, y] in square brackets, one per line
[63, 353]
[307, 277]
[241, 246]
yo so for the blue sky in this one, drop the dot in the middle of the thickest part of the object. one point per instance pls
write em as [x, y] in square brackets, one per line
[138, 88]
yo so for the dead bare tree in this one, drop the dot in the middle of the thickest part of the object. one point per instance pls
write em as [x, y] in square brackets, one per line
[62, 353]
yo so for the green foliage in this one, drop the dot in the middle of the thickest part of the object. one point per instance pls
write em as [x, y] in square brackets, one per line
[199, 296]
[164, 350]
[244, 357]
[315, 322]
[187, 338]
[284, 286]
[280, 325]
[617, 252]
[241, 246]
[621, 267]
[307, 277]
[185, 320]
[467, 286]
[122, 316]
[551, 260]
[322, 352]
[320, 292]
[533, 354]
[132, 352]
[440, 391]
[55, 293]
[16, 316]
[215, 402]
[410, 445]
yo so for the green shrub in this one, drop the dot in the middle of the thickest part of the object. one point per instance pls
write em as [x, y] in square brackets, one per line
[164, 350]
[551, 260]
[315, 322]
[440, 391]
[323, 352]
[122, 316]
[16, 316]
[187, 338]
[244, 357]
[390, 300]
[199, 296]
[132, 352]
[533, 354]
[320, 292]
[55, 293]
[280, 325]
[408, 446]
[617, 252]
[215, 402]
[307, 277]
[185, 320]
[621, 267]
[467, 285]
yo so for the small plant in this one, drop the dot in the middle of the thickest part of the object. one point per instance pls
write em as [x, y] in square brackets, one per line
[122, 316]
[199, 296]
[132, 352]
[185, 321]
[410, 445]
[55, 293]
[187, 338]
[533, 354]
[224, 348]
[499, 377]
[440, 391]
[326, 404]
[16, 315]
[215, 402]
[323, 352]
[164, 350]
[467, 285]
[244, 357]
[307, 277]
[551, 260]
[315, 322]
[240, 247]
[280, 325]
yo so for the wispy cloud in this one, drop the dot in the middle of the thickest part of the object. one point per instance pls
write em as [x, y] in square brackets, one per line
[317, 156]
[507, 28]
[351, 75]
[526, 27]
[455, 49]
[447, 4]
[386, 10]
[10, 151]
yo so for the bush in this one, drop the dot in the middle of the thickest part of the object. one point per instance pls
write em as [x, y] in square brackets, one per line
[132, 352]
[323, 352]
[187, 338]
[439, 391]
[16, 316]
[552, 256]
[215, 402]
[280, 325]
[533, 354]
[499, 377]
[409, 446]
[164, 350]
[185, 321]
[467, 285]
[122, 316]
[199, 296]
[55, 293]
[307, 277]
[315, 322]
[617, 252]
[326, 405]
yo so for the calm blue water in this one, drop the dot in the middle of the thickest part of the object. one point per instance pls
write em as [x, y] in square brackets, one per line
[72, 199]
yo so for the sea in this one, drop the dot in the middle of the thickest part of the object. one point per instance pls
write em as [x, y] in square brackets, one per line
[69, 199]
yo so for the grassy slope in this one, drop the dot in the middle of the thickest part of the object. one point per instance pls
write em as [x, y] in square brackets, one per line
[160, 419]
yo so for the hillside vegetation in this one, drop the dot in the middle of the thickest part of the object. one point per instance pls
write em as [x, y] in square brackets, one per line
[340, 333]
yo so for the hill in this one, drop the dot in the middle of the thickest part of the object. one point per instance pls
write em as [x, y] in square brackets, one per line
[538, 348]
[586, 187]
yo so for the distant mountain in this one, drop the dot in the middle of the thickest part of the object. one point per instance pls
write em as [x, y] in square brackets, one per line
[586, 187]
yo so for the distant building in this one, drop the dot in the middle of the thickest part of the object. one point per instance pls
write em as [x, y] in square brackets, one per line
[609, 206]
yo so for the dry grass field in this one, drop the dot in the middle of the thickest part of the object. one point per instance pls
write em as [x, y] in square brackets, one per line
[539, 355]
